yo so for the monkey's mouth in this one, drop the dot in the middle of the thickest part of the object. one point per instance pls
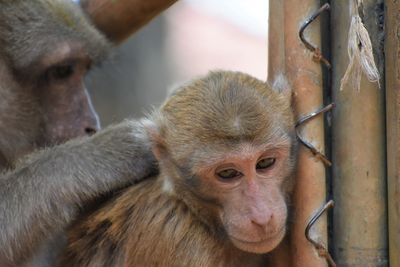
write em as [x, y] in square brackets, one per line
[261, 245]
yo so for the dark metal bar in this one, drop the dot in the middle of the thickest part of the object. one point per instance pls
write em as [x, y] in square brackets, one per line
[322, 251]
[317, 52]
[307, 144]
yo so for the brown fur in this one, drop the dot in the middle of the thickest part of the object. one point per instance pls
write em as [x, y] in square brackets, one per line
[186, 216]
[172, 235]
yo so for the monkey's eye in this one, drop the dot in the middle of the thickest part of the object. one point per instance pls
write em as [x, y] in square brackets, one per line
[265, 163]
[61, 72]
[228, 174]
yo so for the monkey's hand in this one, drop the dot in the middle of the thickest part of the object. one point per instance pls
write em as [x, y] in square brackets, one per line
[42, 195]
[121, 154]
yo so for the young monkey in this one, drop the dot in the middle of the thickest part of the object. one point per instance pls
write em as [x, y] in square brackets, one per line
[225, 144]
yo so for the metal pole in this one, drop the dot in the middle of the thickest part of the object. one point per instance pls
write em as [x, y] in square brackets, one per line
[358, 151]
[392, 82]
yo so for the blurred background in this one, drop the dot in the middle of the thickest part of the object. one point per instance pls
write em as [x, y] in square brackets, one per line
[189, 39]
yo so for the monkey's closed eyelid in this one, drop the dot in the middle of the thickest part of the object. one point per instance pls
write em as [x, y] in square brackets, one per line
[228, 174]
[265, 163]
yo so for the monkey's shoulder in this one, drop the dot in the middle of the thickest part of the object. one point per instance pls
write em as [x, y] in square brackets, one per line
[173, 234]
[145, 214]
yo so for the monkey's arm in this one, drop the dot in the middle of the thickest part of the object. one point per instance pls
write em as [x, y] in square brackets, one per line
[43, 194]
[119, 19]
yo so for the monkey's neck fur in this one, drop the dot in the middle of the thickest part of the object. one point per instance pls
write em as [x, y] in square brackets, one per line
[145, 214]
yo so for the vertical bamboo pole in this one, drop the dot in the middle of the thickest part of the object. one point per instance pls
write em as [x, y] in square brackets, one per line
[276, 40]
[392, 75]
[358, 151]
[280, 257]
[305, 76]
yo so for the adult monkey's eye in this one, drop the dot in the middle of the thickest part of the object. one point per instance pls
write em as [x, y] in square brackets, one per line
[265, 163]
[228, 174]
[61, 72]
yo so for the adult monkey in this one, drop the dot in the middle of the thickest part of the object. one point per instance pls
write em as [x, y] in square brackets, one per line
[46, 48]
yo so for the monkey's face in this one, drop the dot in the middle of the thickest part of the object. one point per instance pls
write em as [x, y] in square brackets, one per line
[62, 95]
[248, 189]
[47, 105]
[226, 142]
[47, 48]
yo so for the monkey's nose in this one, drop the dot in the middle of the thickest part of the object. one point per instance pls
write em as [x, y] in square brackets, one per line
[262, 219]
[91, 124]
[91, 130]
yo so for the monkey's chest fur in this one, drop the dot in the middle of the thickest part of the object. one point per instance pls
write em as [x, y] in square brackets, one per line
[146, 227]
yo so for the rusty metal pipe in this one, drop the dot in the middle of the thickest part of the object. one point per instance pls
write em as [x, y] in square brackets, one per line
[118, 19]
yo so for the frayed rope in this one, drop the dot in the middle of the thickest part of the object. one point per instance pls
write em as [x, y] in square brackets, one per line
[361, 58]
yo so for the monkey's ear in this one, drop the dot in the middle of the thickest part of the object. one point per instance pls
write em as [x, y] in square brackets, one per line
[282, 86]
[158, 144]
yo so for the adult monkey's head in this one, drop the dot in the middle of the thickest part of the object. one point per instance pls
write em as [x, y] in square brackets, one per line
[47, 47]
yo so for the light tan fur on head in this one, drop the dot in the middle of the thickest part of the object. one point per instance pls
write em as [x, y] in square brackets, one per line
[224, 105]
